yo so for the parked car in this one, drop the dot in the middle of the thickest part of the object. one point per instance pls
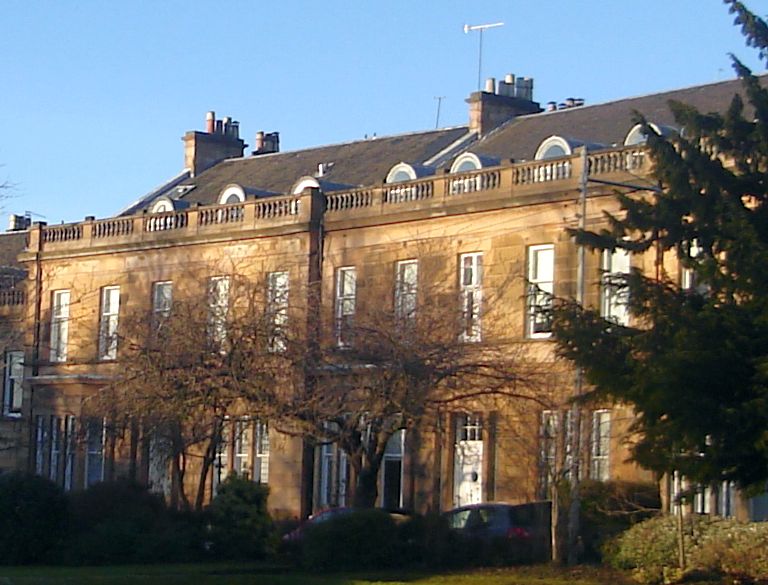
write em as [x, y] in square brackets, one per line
[297, 534]
[516, 532]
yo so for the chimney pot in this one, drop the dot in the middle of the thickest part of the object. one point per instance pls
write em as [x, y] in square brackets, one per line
[490, 85]
[210, 122]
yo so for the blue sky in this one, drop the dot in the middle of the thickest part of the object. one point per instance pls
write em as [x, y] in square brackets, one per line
[95, 95]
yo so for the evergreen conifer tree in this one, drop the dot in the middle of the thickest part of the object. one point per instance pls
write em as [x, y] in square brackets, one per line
[694, 362]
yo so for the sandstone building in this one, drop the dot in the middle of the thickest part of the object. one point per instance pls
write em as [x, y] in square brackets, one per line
[481, 208]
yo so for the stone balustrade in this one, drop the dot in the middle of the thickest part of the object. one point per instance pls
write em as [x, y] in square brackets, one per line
[12, 297]
[497, 185]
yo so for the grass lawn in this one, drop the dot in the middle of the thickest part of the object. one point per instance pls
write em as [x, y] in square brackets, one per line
[257, 574]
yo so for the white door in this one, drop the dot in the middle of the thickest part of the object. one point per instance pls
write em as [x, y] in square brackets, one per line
[468, 462]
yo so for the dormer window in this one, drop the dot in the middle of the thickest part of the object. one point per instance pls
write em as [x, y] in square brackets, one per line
[305, 183]
[465, 163]
[401, 172]
[469, 162]
[636, 136]
[162, 205]
[232, 194]
[553, 147]
[165, 205]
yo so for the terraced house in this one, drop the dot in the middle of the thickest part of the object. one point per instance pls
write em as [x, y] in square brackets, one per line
[474, 216]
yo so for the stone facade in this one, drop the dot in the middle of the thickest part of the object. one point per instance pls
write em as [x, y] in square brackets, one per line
[509, 218]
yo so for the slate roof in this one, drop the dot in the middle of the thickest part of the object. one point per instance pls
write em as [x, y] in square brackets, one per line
[607, 124]
[363, 162]
[366, 162]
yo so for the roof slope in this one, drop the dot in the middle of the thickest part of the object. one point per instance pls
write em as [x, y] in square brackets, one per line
[606, 124]
[363, 162]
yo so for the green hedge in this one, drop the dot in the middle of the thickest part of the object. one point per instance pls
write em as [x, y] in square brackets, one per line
[122, 522]
[713, 546]
[32, 518]
[364, 539]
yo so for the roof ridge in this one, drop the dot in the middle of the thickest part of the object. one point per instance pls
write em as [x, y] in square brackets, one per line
[636, 97]
[347, 143]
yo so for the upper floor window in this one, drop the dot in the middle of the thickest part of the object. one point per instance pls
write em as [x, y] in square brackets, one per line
[688, 279]
[541, 287]
[346, 284]
[162, 301]
[471, 295]
[277, 310]
[614, 293]
[600, 445]
[12, 379]
[406, 288]
[59, 325]
[110, 309]
[218, 309]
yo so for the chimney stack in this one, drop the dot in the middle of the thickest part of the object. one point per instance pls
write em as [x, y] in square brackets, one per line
[266, 143]
[512, 97]
[17, 223]
[221, 140]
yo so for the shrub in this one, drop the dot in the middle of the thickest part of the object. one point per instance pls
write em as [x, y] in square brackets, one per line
[240, 526]
[428, 540]
[122, 522]
[365, 539]
[32, 518]
[713, 546]
[611, 507]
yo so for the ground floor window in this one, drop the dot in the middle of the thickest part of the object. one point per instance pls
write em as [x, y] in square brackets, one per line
[59, 440]
[333, 477]
[392, 472]
[600, 445]
[243, 449]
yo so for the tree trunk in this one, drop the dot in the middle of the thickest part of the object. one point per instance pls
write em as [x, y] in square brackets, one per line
[574, 510]
[366, 486]
[554, 524]
[179, 498]
[205, 466]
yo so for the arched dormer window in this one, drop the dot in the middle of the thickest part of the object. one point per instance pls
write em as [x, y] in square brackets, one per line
[553, 147]
[161, 205]
[401, 172]
[635, 136]
[168, 221]
[232, 194]
[466, 162]
[469, 162]
[305, 183]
